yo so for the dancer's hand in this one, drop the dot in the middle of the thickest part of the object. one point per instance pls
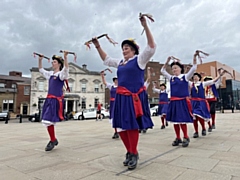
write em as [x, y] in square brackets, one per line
[143, 21]
[40, 57]
[95, 42]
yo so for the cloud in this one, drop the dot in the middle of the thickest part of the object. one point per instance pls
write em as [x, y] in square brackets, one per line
[179, 29]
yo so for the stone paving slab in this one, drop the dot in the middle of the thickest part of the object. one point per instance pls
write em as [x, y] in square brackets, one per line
[87, 152]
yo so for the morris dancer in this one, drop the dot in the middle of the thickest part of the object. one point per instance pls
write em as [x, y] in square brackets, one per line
[200, 106]
[112, 88]
[211, 95]
[130, 102]
[163, 103]
[179, 110]
[52, 111]
[146, 84]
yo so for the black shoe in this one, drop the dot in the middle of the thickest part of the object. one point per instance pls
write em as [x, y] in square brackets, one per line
[209, 129]
[51, 145]
[125, 163]
[195, 135]
[185, 142]
[213, 126]
[132, 164]
[162, 127]
[166, 123]
[176, 142]
[144, 130]
[204, 133]
[139, 131]
[115, 135]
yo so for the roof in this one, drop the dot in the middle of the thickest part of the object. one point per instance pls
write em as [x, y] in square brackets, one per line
[15, 78]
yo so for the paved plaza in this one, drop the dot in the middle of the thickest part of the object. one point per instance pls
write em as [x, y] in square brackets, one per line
[87, 152]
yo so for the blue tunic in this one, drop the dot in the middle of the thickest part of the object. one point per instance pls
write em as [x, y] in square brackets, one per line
[51, 105]
[178, 111]
[112, 95]
[199, 108]
[163, 103]
[131, 77]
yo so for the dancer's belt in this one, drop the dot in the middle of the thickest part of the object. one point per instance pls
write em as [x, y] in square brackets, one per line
[112, 99]
[60, 109]
[211, 99]
[187, 100]
[136, 101]
[201, 99]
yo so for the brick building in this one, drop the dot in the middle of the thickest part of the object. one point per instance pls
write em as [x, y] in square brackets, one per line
[229, 90]
[15, 93]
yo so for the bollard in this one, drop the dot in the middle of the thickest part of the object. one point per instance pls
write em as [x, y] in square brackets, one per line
[6, 120]
[20, 118]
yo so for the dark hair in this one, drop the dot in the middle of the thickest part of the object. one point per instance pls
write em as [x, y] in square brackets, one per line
[114, 79]
[59, 60]
[178, 64]
[133, 44]
[163, 85]
[199, 75]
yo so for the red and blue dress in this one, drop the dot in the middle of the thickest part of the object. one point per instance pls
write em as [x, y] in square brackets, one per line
[52, 111]
[131, 109]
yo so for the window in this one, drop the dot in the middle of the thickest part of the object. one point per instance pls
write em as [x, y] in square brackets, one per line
[2, 85]
[70, 86]
[26, 90]
[5, 106]
[95, 102]
[96, 89]
[14, 86]
[83, 104]
[83, 87]
[41, 86]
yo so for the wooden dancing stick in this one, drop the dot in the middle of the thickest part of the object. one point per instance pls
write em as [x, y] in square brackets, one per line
[40, 55]
[149, 16]
[224, 71]
[109, 39]
[75, 55]
[107, 69]
[200, 57]
[175, 59]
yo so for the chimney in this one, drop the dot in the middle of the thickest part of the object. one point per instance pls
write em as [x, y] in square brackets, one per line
[84, 66]
[15, 73]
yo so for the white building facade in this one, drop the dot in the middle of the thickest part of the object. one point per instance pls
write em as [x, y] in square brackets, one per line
[86, 89]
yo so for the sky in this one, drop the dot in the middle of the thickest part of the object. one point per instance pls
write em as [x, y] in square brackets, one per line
[180, 28]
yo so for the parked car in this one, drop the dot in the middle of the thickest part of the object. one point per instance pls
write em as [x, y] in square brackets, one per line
[154, 111]
[90, 114]
[4, 115]
[34, 117]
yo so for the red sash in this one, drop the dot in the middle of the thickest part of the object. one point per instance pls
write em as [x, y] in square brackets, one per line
[202, 99]
[112, 99]
[187, 100]
[136, 101]
[211, 99]
[60, 110]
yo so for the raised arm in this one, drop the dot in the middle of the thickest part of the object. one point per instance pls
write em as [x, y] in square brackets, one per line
[45, 73]
[149, 51]
[190, 73]
[148, 75]
[163, 70]
[103, 79]
[65, 59]
[40, 62]
[149, 36]
[211, 82]
[101, 52]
